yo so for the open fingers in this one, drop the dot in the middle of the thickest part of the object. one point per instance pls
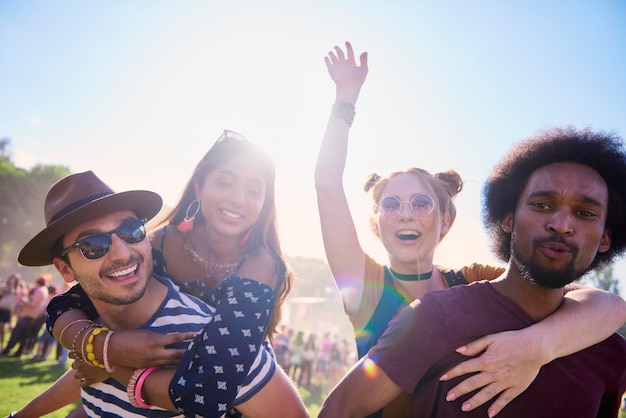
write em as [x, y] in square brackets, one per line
[489, 392]
[469, 385]
[349, 52]
[475, 347]
[340, 54]
[468, 366]
[363, 59]
[503, 400]
[482, 396]
[485, 394]
[331, 58]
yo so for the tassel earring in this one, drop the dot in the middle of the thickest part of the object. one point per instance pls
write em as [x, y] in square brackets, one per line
[192, 210]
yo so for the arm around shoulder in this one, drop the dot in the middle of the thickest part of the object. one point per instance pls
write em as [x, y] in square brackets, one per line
[512, 359]
[587, 316]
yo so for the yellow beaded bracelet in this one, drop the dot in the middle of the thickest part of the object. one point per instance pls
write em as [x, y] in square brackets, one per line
[89, 350]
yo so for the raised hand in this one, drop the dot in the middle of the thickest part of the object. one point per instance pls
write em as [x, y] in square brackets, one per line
[344, 70]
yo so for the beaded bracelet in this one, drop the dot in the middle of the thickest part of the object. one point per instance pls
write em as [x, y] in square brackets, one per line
[105, 353]
[90, 325]
[130, 388]
[90, 356]
[138, 399]
[69, 325]
[82, 344]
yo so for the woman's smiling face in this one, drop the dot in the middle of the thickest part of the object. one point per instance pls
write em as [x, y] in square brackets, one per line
[408, 236]
[232, 197]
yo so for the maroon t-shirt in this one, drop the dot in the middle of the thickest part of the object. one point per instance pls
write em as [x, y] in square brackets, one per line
[419, 345]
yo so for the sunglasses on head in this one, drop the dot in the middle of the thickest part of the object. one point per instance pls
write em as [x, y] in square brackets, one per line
[97, 246]
[420, 204]
[230, 135]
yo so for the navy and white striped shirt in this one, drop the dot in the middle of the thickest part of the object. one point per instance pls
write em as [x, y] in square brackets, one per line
[181, 312]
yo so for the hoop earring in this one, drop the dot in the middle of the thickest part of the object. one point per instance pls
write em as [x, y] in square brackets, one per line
[192, 210]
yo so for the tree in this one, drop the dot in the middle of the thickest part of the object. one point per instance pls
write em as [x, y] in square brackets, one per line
[603, 279]
[22, 194]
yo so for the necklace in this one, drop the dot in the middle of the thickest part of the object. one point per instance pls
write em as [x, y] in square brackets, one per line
[411, 277]
[211, 267]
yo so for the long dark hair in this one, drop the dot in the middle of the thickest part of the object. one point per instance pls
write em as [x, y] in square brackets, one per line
[264, 232]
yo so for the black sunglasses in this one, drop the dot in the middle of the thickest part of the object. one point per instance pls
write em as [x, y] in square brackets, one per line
[97, 246]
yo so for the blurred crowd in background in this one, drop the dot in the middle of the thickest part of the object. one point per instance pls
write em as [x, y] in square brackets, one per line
[22, 318]
[313, 360]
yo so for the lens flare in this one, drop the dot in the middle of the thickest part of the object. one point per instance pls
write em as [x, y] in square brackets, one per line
[370, 368]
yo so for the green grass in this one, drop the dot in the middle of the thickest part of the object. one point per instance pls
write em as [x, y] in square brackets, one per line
[22, 380]
[312, 399]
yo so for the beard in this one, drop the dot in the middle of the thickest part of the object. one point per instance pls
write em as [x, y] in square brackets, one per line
[541, 275]
[134, 291]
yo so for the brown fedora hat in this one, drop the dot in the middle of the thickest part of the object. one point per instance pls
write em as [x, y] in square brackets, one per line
[79, 198]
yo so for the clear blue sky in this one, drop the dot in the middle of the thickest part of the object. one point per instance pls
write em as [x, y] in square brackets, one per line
[138, 90]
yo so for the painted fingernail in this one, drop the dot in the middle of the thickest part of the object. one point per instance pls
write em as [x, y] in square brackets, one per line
[450, 397]
[466, 407]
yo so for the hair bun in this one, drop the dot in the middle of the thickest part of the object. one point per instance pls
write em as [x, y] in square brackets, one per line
[452, 180]
[371, 182]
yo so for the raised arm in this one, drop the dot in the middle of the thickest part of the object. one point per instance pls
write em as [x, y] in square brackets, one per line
[343, 251]
[512, 359]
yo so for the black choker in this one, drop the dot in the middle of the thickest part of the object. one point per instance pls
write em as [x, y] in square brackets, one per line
[411, 277]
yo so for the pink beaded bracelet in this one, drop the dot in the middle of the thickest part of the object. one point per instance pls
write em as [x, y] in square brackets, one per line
[105, 353]
[130, 389]
[138, 399]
